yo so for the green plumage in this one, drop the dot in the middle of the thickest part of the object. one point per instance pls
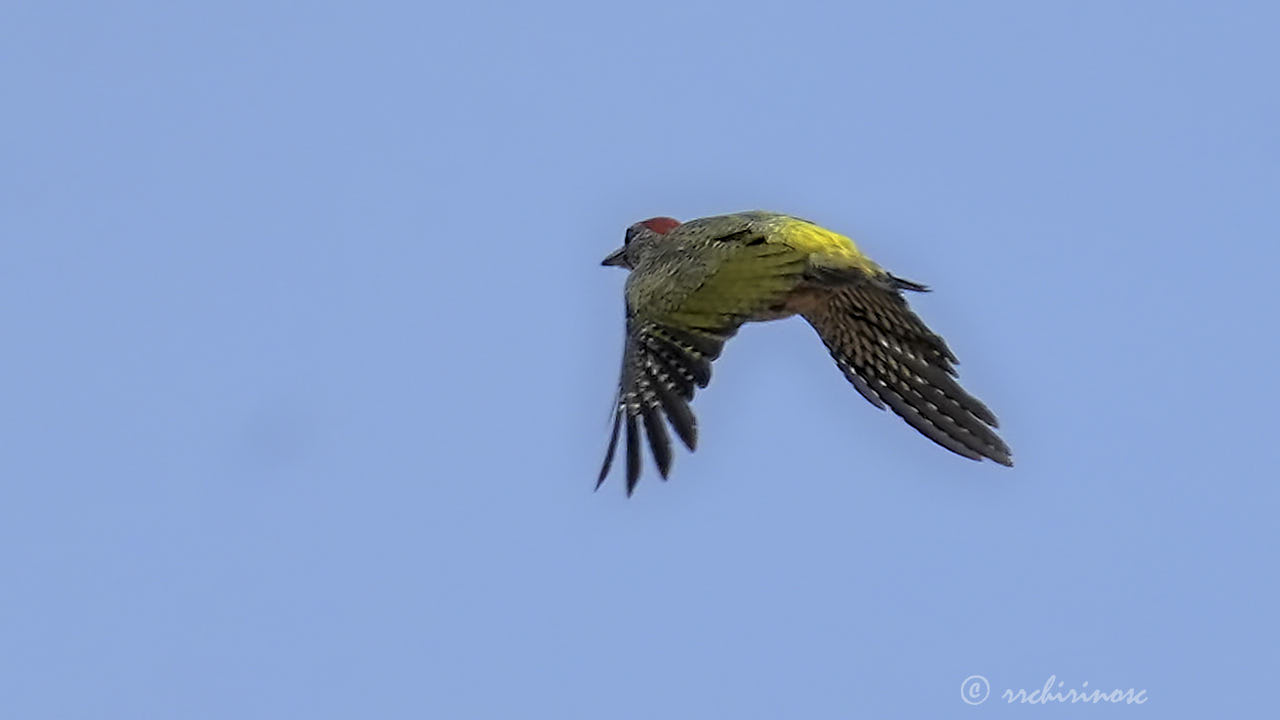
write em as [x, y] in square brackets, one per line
[691, 287]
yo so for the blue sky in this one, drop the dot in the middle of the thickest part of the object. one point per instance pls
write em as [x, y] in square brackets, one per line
[308, 359]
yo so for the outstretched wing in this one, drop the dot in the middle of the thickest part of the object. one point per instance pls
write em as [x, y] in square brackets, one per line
[673, 336]
[661, 367]
[893, 359]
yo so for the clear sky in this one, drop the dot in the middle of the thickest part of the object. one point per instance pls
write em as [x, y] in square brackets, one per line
[307, 360]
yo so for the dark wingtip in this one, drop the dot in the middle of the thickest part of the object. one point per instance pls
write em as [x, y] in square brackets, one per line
[659, 440]
[905, 284]
[680, 416]
[633, 454]
[613, 447]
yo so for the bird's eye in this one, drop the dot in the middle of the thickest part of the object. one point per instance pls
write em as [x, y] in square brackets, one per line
[626, 239]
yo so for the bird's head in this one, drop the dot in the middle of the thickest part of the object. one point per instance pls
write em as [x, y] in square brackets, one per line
[639, 238]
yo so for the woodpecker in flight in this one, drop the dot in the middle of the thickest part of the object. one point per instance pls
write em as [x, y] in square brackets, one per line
[693, 284]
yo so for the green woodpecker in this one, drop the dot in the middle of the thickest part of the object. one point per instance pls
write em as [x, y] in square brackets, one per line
[693, 284]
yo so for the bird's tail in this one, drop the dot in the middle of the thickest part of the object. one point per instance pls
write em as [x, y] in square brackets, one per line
[894, 360]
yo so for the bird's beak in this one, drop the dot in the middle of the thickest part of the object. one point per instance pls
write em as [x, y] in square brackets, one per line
[617, 258]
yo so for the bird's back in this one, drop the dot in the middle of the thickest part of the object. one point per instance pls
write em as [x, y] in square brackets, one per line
[733, 262]
[727, 269]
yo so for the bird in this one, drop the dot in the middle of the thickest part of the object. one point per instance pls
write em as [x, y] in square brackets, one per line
[693, 284]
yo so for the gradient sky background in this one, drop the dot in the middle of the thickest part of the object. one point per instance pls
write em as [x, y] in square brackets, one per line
[308, 357]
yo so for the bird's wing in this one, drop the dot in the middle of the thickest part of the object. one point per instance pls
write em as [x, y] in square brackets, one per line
[661, 367]
[893, 359]
[670, 348]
